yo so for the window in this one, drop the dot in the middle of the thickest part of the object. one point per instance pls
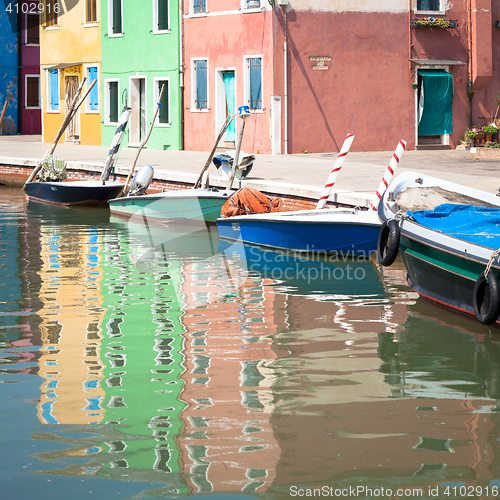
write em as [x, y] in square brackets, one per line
[164, 112]
[200, 69]
[90, 11]
[52, 90]
[93, 98]
[112, 100]
[199, 6]
[252, 4]
[32, 91]
[429, 5]
[32, 29]
[51, 9]
[254, 82]
[115, 18]
[160, 12]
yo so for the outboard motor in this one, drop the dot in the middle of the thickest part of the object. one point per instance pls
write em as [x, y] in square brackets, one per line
[141, 181]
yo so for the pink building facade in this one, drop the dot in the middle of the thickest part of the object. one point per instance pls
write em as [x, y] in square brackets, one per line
[311, 72]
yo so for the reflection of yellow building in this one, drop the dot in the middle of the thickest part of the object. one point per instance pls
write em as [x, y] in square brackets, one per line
[71, 317]
[70, 48]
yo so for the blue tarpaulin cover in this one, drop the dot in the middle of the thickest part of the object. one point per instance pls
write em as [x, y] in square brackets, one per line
[479, 225]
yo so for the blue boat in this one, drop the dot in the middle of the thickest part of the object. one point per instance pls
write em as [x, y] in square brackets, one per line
[311, 274]
[345, 231]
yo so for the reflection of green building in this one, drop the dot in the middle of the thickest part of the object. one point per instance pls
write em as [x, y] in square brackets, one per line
[141, 349]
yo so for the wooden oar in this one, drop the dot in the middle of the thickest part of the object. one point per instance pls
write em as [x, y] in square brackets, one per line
[228, 121]
[2, 116]
[75, 104]
[143, 143]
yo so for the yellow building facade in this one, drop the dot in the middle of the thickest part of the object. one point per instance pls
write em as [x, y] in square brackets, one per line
[70, 49]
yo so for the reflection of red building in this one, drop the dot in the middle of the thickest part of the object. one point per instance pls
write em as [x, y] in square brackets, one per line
[29, 73]
[228, 443]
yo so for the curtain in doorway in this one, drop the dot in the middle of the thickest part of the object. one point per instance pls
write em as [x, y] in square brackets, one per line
[71, 83]
[435, 103]
[228, 77]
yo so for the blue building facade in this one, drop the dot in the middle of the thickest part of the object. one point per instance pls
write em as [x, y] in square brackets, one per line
[9, 70]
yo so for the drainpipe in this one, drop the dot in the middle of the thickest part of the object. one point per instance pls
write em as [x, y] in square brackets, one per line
[20, 80]
[469, 95]
[181, 71]
[285, 82]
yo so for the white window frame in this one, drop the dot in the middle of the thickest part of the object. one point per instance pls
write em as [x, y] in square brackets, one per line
[194, 80]
[156, 31]
[106, 101]
[440, 12]
[243, 6]
[37, 75]
[87, 101]
[110, 19]
[197, 14]
[156, 94]
[26, 29]
[246, 84]
[96, 23]
[48, 91]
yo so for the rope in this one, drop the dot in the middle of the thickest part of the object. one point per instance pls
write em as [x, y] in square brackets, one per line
[403, 216]
[494, 256]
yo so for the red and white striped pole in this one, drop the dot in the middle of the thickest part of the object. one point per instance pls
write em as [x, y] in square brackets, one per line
[335, 171]
[384, 183]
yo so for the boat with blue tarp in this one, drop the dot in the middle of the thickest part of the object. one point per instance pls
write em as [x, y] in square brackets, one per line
[448, 236]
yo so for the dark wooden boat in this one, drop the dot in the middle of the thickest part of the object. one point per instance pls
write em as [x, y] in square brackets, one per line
[74, 192]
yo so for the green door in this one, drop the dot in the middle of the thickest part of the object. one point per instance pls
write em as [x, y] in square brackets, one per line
[435, 102]
[228, 77]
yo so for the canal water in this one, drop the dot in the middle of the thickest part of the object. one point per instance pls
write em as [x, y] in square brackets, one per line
[140, 361]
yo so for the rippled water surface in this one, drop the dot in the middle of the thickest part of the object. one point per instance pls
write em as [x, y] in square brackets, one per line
[143, 361]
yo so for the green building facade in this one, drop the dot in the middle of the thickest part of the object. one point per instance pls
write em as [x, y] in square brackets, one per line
[140, 55]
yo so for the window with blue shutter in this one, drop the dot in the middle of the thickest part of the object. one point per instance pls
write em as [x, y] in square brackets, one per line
[432, 5]
[199, 6]
[255, 83]
[54, 90]
[94, 93]
[201, 84]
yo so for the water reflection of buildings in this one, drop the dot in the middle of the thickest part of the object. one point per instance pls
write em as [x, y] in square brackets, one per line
[19, 262]
[426, 416]
[72, 314]
[212, 380]
[228, 442]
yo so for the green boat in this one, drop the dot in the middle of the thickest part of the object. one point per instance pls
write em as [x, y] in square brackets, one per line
[201, 205]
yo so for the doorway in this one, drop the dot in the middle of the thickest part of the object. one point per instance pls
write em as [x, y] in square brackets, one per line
[434, 107]
[226, 103]
[138, 114]
[70, 90]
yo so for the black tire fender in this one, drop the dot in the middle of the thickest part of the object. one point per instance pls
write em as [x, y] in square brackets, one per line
[486, 305]
[388, 242]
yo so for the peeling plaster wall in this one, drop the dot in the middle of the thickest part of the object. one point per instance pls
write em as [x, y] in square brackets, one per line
[9, 70]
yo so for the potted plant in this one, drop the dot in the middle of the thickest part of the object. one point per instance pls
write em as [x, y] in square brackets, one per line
[479, 139]
[488, 131]
[471, 135]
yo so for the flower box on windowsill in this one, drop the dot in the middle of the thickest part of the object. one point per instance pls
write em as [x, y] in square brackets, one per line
[432, 22]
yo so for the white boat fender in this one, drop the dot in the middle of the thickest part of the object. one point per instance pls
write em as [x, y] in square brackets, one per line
[487, 311]
[388, 242]
[141, 181]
